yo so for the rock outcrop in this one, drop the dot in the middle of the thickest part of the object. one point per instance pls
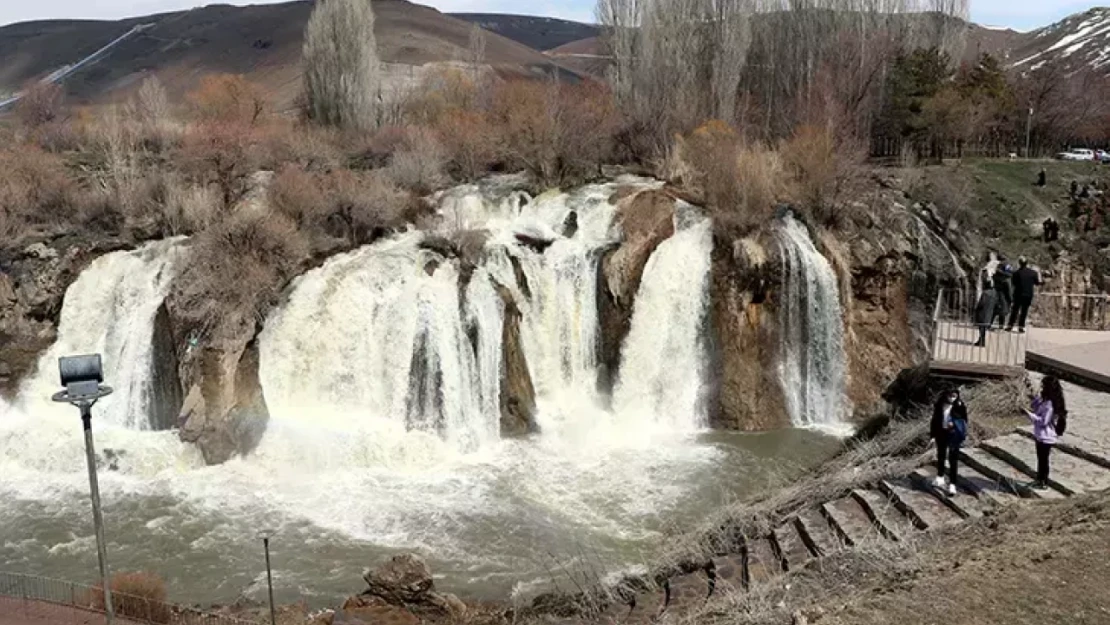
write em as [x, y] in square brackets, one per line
[224, 412]
[518, 394]
[746, 392]
[166, 400]
[646, 219]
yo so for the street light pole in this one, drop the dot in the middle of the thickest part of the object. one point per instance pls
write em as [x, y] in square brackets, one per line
[82, 377]
[98, 520]
[269, 576]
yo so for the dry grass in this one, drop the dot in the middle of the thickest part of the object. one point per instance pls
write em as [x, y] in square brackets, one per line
[138, 595]
[419, 161]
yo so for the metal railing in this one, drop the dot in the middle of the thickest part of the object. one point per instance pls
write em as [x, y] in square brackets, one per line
[955, 334]
[61, 602]
[955, 331]
[1070, 311]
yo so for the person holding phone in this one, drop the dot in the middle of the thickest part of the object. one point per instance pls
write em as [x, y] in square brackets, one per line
[1049, 419]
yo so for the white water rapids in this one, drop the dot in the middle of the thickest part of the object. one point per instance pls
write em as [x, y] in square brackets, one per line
[382, 378]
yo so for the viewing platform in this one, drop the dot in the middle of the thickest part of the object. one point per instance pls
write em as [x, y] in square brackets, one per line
[1067, 335]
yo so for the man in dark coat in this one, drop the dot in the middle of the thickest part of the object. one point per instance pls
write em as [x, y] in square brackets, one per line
[1025, 281]
[984, 310]
[1003, 297]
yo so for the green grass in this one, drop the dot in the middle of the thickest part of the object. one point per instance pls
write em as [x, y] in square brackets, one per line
[998, 201]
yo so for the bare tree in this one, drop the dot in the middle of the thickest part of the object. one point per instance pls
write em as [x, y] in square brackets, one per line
[342, 76]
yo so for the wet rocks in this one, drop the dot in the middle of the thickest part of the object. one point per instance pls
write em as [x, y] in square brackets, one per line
[400, 592]
[224, 412]
[518, 394]
[747, 394]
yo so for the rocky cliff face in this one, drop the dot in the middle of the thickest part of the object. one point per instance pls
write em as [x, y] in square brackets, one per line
[747, 394]
[518, 394]
[224, 412]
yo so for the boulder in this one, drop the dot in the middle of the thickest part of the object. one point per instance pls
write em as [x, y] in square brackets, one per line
[401, 591]
[224, 412]
[518, 394]
[646, 219]
[403, 580]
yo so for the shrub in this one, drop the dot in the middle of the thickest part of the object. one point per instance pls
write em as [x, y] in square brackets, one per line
[440, 93]
[364, 205]
[36, 192]
[221, 154]
[135, 595]
[822, 164]
[419, 161]
[228, 99]
[39, 104]
[235, 272]
[298, 194]
[559, 133]
[469, 142]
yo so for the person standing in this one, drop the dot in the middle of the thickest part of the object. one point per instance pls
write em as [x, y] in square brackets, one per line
[1025, 281]
[1002, 281]
[949, 429]
[984, 310]
[1049, 419]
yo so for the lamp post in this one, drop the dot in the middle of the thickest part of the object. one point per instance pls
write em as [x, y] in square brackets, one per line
[82, 376]
[266, 534]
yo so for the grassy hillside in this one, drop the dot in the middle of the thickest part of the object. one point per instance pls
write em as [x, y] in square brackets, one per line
[262, 42]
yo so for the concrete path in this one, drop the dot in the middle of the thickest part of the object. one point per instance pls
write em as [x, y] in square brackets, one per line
[1074, 353]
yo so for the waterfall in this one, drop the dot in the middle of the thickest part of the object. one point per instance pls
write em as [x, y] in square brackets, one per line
[375, 339]
[663, 359]
[110, 310]
[812, 361]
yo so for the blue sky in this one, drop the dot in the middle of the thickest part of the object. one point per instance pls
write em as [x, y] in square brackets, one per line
[1020, 14]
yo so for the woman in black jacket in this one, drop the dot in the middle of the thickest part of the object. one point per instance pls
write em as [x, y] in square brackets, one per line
[949, 429]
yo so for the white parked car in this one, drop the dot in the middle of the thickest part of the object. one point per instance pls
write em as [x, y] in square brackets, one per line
[1077, 154]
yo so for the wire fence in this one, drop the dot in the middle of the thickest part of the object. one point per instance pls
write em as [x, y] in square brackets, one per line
[61, 602]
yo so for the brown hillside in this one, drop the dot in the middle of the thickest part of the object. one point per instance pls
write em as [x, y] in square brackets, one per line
[261, 42]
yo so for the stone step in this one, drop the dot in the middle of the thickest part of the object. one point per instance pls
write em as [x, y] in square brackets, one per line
[646, 607]
[1070, 474]
[791, 547]
[728, 574]
[1005, 473]
[849, 521]
[816, 533]
[761, 561]
[884, 514]
[926, 511]
[686, 592]
[990, 490]
[965, 503]
[1089, 450]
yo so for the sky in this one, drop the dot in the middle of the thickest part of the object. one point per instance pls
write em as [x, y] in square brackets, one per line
[1018, 14]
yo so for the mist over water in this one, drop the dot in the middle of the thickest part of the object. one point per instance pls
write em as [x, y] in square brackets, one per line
[381, 371]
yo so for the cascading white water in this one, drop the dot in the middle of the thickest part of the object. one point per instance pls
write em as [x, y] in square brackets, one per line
[812, 360]
[373, 343]
[664, 357]
[110, 310]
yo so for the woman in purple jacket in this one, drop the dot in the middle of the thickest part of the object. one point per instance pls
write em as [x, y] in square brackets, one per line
[1049, 416]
